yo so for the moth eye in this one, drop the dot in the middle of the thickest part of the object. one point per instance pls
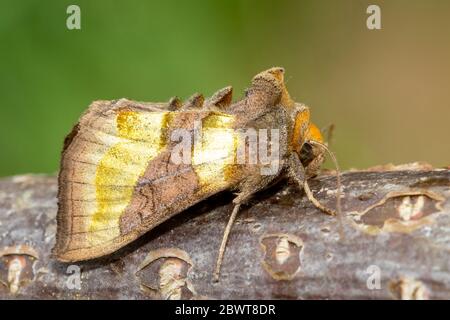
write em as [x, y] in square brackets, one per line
[306, 154]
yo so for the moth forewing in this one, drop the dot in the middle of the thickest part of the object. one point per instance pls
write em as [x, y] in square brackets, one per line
[128, 166]
[117, 181]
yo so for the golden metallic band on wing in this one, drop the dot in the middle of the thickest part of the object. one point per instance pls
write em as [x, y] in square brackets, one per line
[143, 136]
[215, 151]
[121, 166]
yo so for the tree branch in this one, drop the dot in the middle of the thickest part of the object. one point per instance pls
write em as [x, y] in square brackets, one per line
[396, 244]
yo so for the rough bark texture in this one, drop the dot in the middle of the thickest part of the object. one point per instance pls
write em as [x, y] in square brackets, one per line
[396, 244]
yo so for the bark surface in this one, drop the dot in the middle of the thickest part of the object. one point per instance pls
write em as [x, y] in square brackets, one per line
[396, 244]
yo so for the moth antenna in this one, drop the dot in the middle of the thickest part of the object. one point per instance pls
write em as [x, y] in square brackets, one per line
[224, 242]
[338, 182]
[329, 130]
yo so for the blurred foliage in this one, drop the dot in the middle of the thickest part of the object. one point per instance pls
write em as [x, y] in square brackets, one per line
[387, 91]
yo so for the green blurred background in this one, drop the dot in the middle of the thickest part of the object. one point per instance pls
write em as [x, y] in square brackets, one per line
[387, 91]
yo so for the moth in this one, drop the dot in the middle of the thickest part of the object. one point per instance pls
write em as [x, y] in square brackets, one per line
[121, 173]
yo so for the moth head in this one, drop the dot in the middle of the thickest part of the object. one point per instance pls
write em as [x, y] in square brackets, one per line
[307, 141]
[273, 80]
[304, 134]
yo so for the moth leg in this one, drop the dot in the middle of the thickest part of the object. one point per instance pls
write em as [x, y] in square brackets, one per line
[248, 189]
[298, 173]
[224, 241]
[311, 198]
[313, 168]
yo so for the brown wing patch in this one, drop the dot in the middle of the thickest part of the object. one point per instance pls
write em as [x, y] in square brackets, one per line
[163, 191]
[167, 188]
